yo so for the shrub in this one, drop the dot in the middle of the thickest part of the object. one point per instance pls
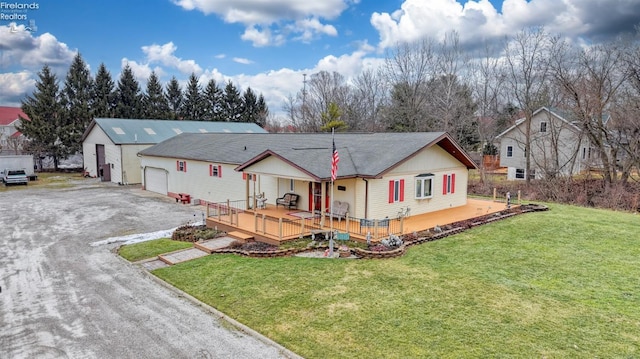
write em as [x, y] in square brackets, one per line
[258, 247]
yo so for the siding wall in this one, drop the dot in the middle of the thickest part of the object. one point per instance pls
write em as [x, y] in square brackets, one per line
[96, 136]
[197, 182]
[131, 163]
[554, 149]
[433, 160]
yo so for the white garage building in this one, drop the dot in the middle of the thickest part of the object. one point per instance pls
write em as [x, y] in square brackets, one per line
[110, 146]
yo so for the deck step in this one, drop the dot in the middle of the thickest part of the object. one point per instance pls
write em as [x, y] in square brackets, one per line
[240, 235]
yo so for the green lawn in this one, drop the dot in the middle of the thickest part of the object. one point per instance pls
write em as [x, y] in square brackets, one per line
[149, 249]
[558, 284]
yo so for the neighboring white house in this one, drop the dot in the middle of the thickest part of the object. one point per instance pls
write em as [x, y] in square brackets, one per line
[10, 138]
[110, 146]
[558, 147]
[378, 173]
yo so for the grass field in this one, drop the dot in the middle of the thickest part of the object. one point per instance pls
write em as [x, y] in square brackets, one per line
[558, 284]
[149, 249]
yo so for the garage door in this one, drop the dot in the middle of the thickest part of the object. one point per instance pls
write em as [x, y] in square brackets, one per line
[155, 180]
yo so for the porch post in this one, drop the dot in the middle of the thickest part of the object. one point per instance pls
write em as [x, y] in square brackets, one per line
[323, 201]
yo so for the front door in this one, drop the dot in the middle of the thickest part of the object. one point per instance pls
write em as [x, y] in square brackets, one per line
[315, 197]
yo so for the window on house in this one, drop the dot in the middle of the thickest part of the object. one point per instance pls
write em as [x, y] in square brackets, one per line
[509, 151]
[519, 173]
[424, 186]
[215, 170]
[251, 176]
[181, 166]
[396, 191]
[449, 183]
[543, 126]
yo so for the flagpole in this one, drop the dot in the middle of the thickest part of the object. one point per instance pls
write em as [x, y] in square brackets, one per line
[331, 199]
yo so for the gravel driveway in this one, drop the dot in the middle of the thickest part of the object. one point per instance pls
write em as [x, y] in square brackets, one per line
[63, 298]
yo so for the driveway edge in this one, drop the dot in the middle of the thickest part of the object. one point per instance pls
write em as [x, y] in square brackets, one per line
[220, 315]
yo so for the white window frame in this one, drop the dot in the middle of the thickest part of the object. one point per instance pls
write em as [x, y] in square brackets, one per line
[422, 183]
[543, 126]
[214, 171]
[522, 175]
[181, 166]
[509, 151]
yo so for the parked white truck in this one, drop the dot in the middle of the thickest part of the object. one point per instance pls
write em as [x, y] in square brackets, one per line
[18, 162]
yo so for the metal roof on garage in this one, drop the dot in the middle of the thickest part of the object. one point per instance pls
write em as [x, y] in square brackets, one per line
[139, 131]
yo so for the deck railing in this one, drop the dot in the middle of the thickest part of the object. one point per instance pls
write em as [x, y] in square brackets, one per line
[226, 212]
[284, 228]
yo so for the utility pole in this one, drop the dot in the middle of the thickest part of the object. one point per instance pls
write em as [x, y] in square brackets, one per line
[304, 99]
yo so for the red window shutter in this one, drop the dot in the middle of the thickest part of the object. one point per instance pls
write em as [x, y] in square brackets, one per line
[391, 188]
[444, 184]
[219, 171]
[185, 166]
[210, 170]
[244, 175]
[401, 190]
[453, 183]
[254, 177]
[177, 165]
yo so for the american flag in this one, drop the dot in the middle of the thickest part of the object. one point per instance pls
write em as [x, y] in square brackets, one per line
[334, 162]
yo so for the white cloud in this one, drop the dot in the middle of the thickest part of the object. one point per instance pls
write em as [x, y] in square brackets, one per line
[164, 54]
[309, 28]
[478, 20]
[243, 61]
[265, 20]
[21, 47]
[259, 38]
[14, 87]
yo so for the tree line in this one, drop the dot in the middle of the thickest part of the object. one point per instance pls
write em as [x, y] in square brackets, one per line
[475, 94]
[58, 116]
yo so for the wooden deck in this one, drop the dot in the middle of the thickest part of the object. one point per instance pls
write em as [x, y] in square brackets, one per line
[273, 225]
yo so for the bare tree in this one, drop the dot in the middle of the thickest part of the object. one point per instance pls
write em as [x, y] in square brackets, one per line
[487, 82]
[527, 78]
[590, 79]
[369, 95]
[407, 70]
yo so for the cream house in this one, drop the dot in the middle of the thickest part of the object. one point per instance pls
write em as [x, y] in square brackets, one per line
[110, 146]
[379, 174]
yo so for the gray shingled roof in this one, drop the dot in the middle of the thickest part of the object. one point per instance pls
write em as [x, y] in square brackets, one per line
[123, 131]
[361, 154]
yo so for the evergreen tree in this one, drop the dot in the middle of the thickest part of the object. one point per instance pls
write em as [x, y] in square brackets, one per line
[104, 97]
[76, 98]
[192, 107]
[174, 97]
[212, 100]
[249, 106]
[43, 110]
[128, 95]
[263, 112]
[154, 103]
[232, 106]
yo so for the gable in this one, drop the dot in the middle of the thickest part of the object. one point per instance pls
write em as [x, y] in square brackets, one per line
[431, 159]
[275, 166]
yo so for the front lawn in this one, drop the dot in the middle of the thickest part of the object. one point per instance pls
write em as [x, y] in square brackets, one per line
[558, 284]
[149, 249]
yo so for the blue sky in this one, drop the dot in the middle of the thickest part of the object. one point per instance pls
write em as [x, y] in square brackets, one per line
[266, 44]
